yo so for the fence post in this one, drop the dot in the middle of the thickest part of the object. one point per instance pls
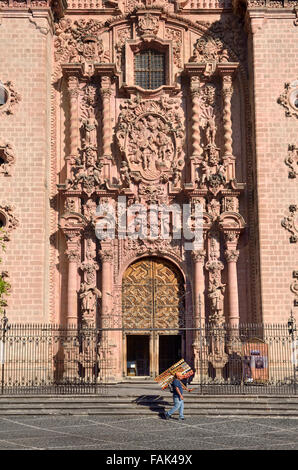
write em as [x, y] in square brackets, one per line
[201, 346]
[292, 330]
[4, 327]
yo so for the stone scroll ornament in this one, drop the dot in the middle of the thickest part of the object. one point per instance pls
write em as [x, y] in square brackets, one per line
[290, 223]
[292, 161]
[289, 99]
[150, 135]
[80, 42]
[7, 158]
[8, 98]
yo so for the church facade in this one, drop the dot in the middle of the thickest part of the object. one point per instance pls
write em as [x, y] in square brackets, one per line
[148, 165]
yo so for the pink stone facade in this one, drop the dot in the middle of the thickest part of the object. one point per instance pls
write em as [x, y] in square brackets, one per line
[219, 132]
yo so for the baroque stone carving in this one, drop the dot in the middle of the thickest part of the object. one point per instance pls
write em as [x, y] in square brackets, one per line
[148, 25]
[89, 297]
[86, 172]
[290, 223]
[208, 50]
[292, 161]
[294, 287]
[12, 98]
[79, 42]
[150, 135]
[7, 158]
[8, 220]
[177, 43]
[289, 99]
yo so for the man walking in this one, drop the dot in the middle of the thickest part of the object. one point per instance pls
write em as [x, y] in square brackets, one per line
[177, 397]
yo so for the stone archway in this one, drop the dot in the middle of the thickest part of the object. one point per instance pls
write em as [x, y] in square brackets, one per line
[153, 310]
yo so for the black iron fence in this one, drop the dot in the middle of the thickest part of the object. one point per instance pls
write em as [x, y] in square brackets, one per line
[248, 359]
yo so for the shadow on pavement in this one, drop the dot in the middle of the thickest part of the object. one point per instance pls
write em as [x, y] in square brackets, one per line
[154, 402]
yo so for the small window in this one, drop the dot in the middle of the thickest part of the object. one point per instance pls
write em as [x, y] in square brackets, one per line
[150, 69]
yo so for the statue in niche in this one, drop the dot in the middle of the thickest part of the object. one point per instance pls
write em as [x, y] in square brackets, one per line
[90, 131]
[216, 296]
[89, 297]
[125, 174]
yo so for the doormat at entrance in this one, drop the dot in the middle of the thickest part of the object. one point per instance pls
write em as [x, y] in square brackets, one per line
[167, 377]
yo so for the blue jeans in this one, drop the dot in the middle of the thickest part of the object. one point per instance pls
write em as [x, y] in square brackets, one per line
[178, 405]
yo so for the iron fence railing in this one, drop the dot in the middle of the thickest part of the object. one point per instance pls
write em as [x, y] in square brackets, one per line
[248, 359]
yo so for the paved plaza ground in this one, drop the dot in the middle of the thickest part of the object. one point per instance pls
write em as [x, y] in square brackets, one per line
[149, 433]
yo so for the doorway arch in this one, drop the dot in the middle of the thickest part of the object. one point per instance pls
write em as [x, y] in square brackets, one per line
[153, 312]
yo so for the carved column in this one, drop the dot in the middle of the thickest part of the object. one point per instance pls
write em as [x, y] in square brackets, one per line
[196, 150]
[232, 255]
[198, 257]
[73, 93]
[106, 117]
[73, 253]
[229, 159]
[109, 339]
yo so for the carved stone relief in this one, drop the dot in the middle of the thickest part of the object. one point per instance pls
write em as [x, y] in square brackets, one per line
[7, 158]
[294, 288]
[290, 223]
[150, 135]
[292, 161]
[80, 42]
[289, 99]
[9, 98]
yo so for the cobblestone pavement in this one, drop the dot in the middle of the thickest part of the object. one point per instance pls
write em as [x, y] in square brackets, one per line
[146, 433]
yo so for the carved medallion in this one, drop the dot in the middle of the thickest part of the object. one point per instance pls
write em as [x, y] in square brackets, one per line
[150, 135]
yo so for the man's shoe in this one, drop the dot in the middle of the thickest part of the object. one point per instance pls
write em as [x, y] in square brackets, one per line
[166, 416]
[181, 419]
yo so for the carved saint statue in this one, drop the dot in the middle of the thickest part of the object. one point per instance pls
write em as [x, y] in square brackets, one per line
[89, 297]
[216, 296]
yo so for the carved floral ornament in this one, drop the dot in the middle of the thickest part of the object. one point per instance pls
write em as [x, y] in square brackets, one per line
[290, 223]
[150, 135]
[289, 99]
[7, 158]
[80, 42]
[8, 98]
[8, 220]
[292, 161]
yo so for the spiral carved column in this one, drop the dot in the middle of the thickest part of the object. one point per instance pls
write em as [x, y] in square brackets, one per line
[73, 91]
[106, 116]
[232, 255]
[196, 138]
[227, 91]
[73, 253]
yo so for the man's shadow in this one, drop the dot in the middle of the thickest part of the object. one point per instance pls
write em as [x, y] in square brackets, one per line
[155, 403]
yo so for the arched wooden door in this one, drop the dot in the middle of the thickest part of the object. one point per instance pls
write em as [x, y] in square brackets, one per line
[153, 311]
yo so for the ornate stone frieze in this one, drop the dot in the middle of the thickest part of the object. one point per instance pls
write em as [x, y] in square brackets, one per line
[7, 158]
[290, 223]
[86, 173]
[209, 50]
[289, 99]
[80, 42]
[148, 25]
[150, 135]
[9, 98]
[176, 37]
[292, 161]
[122, 36]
